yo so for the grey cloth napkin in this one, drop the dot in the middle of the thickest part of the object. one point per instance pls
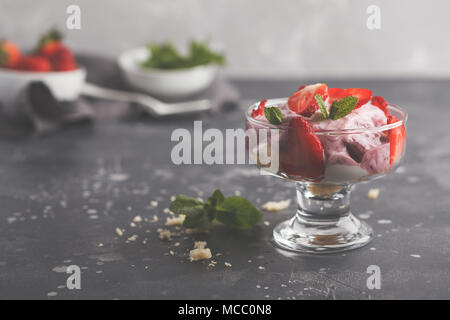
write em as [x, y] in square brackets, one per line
[37, 107]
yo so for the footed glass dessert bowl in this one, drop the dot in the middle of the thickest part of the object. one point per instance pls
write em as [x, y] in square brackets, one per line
[326, 155]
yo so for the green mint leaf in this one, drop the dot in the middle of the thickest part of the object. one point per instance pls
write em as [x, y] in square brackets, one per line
[238, 213]
[216, 198]
[167, 57]
[182, 203]
[197, 217]
[273, 115]
[321, 105]
[343, 107]
[213, 201]
[234, 212]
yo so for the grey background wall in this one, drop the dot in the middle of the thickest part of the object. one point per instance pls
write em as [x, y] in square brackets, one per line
[262, 38]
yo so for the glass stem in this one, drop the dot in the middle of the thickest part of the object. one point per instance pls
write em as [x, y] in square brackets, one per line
[323, 202]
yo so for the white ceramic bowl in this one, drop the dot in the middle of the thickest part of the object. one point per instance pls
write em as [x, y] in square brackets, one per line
[65, 85]
[166, 83]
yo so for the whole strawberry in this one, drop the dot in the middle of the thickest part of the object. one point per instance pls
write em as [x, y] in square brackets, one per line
[51, 47]
[49, 43]
[63, 60]
[34, 63]
[9, 55]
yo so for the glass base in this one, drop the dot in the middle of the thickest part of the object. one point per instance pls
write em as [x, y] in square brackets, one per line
[307, 235]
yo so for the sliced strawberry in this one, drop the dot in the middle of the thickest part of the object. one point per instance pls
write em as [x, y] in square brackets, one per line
[259, 111]
[380, 103]
[34, 63]
[335, 94]
[363, 95]
[397, 137]
[302, 153]
[9, 54]
[303, 101]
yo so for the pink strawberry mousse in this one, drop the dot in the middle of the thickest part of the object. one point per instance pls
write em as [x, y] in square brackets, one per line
[350, 156]
[364, 151]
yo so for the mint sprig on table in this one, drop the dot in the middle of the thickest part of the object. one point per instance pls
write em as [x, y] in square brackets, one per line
[234, 211]
[273, 115]
[339, 109]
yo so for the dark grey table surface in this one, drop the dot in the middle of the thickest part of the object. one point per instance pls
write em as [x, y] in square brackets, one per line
[62, 194]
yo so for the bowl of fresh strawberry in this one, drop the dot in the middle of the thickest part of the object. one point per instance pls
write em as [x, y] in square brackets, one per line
[50, 61]
[326, 140]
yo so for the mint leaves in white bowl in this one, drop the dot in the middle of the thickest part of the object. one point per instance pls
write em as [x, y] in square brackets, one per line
[161, 70]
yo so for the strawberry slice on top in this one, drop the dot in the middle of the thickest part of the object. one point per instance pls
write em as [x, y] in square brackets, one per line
[363, 95]
[380, 103]
[397, 137]
[259, 111]
[303, 102]
[335, 94]
[302, 154]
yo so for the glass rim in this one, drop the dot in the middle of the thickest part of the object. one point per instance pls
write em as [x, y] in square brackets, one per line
[271, 102]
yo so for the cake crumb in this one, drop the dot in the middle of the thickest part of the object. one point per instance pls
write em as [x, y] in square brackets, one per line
[276, 205]
[373, 194]
[165, 234]
[154, 203]
[132, 224]
[199, 244]
[167, 211]
[119, 232]
[261, 268]
[132, 238]
[227, 264]
[137, 219]
[175, 221]
[171, 253]
[212, 263]
[200, 254]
